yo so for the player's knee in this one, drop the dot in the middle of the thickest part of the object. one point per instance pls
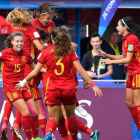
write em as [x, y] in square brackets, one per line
[25, 113]
[129, 103]
[34, 112]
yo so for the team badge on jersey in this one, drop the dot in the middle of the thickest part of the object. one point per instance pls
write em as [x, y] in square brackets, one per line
[130, 47]
[36, 34]
[23, 58]
[49, 29]
[15, 95]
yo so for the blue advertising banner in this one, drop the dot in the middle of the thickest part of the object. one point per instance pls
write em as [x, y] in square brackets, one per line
[108, 10]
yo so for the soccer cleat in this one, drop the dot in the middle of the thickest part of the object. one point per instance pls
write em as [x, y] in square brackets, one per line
[95, 135]
[37, 138]
[48, 136]
[81, 110]
[53, 137]
[137, 135]
[4, 134]
[79, 136]
[16, 132]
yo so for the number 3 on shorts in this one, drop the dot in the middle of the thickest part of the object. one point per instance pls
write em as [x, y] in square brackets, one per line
[62, 67]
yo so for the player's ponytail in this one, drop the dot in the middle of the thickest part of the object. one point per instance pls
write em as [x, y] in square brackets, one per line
[7, 42]
[62, 44]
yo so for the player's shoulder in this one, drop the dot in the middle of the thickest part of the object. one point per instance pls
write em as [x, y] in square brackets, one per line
[49, 49]
[132, 37]
[7, 50]
[34, 20]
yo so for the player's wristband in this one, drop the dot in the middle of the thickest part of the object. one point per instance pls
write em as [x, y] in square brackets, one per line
[23, 83]
[92, 84]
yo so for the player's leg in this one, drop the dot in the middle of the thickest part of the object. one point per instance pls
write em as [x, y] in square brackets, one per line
[68, 100]
[21, 105]
[53, 104]
[34, 118]
[7, 111]
[41, 110]
[17, 123]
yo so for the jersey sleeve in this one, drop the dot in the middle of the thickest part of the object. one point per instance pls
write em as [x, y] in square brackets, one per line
[74, 56]
[41, 57]
[30, 59]
[133, 44]
[2, 55]
[33, 34]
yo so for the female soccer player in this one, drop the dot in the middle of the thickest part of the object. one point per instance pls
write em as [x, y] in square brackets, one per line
[44, 17]
[14, 59]
[60, 85]
[131, 55]
[21, 20]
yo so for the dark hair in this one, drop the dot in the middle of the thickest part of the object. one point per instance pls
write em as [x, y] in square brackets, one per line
[44, 8]
[7, 42]
[114, 31]
[43, 35]
[94, 34]
[62, 42]
[128, 22]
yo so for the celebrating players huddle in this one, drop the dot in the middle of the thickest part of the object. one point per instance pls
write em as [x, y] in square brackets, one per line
[47, 52]
[29, 53]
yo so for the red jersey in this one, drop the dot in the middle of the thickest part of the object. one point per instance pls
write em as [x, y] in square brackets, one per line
[131, 44]
[38, 78]
[48, 28]
[13, 67]
[74, 71]
[60, 70]
[30, 34]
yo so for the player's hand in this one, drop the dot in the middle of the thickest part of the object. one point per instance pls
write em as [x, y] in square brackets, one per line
[106, 61]
[18, 87]
[101, 53]
[85, 85]
[97, 91]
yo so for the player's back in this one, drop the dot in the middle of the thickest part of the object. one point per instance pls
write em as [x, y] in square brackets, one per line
[59, 69]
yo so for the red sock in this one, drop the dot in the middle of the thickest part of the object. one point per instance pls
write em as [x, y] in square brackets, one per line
[77, 104]
[83, 128]
[61, 128]
[136, 117]
[71, 127]
[17, 121]
[7, 111]
[25, 120]
[42, 124]
[13, 137]
[65, 138]
[51, 126]
[35, 126]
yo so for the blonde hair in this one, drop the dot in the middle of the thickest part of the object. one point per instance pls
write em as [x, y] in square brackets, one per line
[19, 16]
